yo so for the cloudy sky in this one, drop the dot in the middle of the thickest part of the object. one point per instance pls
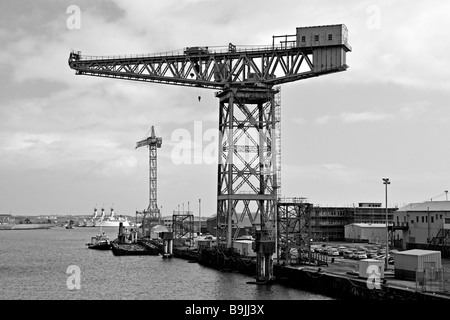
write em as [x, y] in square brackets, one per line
[67, 142]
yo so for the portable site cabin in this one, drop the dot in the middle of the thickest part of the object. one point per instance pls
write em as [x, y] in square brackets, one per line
[408, 262]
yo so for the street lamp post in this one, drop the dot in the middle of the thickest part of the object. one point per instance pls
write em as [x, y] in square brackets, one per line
[386, 182]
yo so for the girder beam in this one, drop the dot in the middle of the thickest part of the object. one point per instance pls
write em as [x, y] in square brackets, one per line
[253, 68]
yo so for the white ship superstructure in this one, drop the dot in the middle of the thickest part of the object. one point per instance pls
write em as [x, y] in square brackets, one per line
[111, 220]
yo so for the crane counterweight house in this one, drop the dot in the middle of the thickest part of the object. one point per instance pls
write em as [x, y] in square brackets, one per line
[247, 78]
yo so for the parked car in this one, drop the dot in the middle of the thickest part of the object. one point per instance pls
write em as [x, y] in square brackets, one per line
[360, 255]
[348, 254]
[333, 252]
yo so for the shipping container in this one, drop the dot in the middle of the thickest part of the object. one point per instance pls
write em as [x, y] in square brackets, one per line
[369, 267]
[407, 262]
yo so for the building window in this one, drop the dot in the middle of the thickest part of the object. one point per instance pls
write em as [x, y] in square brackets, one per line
[303, 39]
[412, 221]
[417, 219]
[423, 219]
[432, 219]
[330, 37]
[440, 217]
[316, 37]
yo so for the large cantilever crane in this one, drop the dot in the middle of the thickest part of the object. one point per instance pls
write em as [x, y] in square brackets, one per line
[152, 214]
[246, 77]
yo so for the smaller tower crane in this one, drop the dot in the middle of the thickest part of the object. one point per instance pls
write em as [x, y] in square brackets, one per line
[152, 214]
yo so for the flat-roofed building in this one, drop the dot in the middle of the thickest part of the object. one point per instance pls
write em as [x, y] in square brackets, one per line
[425, 225]
[327, 223]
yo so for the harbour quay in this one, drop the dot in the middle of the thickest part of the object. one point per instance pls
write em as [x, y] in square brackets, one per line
[333, 276]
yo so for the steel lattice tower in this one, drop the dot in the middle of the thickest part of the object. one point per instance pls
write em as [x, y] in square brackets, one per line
[152, 214]
[247, 171]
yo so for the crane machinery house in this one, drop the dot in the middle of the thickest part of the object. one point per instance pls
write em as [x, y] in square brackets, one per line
[196, 50]
[331, 39]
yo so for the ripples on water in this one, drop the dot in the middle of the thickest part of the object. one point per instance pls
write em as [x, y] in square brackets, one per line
[33, 266]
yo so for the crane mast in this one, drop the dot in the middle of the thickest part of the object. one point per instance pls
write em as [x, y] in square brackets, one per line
[152, 214]
[247, 78]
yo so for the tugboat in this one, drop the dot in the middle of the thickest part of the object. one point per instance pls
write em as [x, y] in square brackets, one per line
[100, 242]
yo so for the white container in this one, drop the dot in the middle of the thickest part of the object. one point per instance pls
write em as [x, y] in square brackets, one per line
[417, 259]
[406, 263]
[368, 267]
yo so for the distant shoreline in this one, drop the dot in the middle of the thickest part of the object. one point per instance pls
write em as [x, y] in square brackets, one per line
[31, 226]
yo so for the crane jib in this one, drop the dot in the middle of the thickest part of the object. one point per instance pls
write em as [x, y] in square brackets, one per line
[198, 66]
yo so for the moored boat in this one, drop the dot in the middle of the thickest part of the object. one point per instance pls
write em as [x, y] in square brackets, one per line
[70, 224]
[127, 244]
[100, 242]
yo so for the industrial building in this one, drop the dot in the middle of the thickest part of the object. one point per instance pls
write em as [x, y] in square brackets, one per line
[366, 232]
[425, 225]
[6, 218]
[327, 223]
[167, 221]
[240, 229]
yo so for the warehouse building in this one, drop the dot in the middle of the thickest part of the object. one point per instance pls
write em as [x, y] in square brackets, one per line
[366, 232]
[425, 225]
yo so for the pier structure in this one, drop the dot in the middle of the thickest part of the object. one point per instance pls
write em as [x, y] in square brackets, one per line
[167, 238]
[183, 228]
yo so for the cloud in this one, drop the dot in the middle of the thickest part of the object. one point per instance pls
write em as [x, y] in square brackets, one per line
[323, 120]
[399, 50]
[354, 117]
[123, 165]
[299, 120]
[414, 110]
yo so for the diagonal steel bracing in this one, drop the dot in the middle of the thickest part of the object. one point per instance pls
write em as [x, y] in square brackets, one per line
[293, 228]
[247, 169]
